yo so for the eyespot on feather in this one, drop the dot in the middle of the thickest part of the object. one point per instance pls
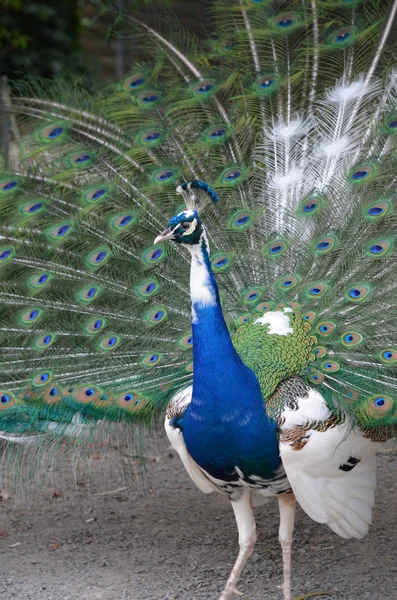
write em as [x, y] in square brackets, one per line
[96, 194]
[54, 133]
[317, 289]
[105, 399]
[186, 341]
[240, 220]
[266, 84]
[33, 208]
[31, 316]
[86, 394]
[379, 248]
[343, 37]
[311, 205]
[316, 378]
[40, 280]
[264, 307]
[44, 341]
[243, 319]
[204, 89]
[42, 379]
[131, 401]
[324, 244]
[358, 292]
[232, 176]
[320, 351]
[216, 134]
[148, 99]
[389, 356]
[9, 185]
[88, 294]
[351, 338]
[98, 257]
[151, 137]
[6, 254]
[7, 400]
[189, 368]
[123, 221]
[276, 248]
[96, 324]
[154, 254]
[362, 173]
[378, 209]
[147, 289]
[326, 328]
[135, 82]
[285, 23]
[60, 232]
[165, 175]
[152, 359]
[110, 342]
[309, 316]
[53, 394]
[287, 282]
[379, 406]
[221, 261]
[251, 295]
[156, 315]
[329, 366]
[81, 160]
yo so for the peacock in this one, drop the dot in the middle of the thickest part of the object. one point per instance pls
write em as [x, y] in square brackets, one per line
[263, 157]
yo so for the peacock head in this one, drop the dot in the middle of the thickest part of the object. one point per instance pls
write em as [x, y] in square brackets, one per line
[185, 228]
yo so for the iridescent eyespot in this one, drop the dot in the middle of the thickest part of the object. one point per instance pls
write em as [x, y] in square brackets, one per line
[86, 394]
[154, 254]
[221, 261]
[96, 194]
[264, 307]
[204, 89]
[324, 244]
[186, 341]
[89, 294]
[316, 378]
[287, 282]
[156, 315]
[330, 366]
[389, 355]
[6, 400]
[326, 328]
[123, 221]
[151, 359]
[51, 133]
[6, 254]
[110, 342]
[362, 173]
[240, 220]
[53, 394]
[96, 325]
[317, 289]
[39, 281]
[32, 208]
[232, 176]
[309, 316]
[243, 319]
[189, 368]
[379, 406]
[45, 341]
[216, 134]
[358, 292]
[343, 36]
[251, 295]
[227, 46]
[266, 84]
[43, 378]
[148, 98]
[134, 82]
[31, 316]
[147, 288]
[131, 401]
[276, 248]
[320, 351]
[151, 137]
[285, 22]
[59, 232]
[167, 175]
[378, 209]
[351, 338]
[9, 185]
[379, 248]
[98, 257]
[81, 159]
[311, 205]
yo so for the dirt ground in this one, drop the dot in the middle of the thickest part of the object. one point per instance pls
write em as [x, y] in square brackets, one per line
[165, 540]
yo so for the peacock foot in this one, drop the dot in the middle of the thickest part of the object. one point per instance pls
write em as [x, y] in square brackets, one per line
[229, 592]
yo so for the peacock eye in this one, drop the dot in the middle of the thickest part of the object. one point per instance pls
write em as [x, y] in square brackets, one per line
[185, 226]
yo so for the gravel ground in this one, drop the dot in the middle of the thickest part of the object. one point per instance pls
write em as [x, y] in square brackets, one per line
[165, 540]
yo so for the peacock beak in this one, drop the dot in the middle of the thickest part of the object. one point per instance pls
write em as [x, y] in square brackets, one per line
[167, 234]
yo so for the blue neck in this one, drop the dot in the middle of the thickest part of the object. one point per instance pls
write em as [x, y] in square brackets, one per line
[227, 408]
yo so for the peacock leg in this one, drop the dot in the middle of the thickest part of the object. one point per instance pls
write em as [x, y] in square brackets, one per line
[245, 520]
[287, 505]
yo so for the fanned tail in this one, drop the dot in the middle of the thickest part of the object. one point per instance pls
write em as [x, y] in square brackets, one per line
[290, 115]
